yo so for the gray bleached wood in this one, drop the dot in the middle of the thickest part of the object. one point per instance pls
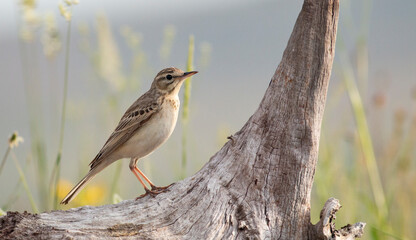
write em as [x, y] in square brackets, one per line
[257, 186]
[325, 228]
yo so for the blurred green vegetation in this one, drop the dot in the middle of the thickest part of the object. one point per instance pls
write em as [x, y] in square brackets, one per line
[373, 178]
[368, 166]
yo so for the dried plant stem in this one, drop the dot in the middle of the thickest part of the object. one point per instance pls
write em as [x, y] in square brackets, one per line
[57, 171]
[4, 158]
[38, 146]
[25, 185]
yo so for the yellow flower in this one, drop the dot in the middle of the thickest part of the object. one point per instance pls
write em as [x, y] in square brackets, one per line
[15, 139]
[63, 187]
[93, 194]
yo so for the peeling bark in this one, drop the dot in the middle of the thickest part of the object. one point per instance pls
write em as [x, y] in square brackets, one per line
[257, 186]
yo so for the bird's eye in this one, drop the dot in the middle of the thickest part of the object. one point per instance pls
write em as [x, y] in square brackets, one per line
[169, 77]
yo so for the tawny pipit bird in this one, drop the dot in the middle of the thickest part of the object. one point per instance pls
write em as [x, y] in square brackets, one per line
[144, 127]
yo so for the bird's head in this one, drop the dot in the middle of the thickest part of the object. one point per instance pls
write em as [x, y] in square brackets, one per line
[169, 80]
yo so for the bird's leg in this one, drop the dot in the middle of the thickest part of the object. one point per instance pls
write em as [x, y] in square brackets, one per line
[132, 166]
[144, 176]
[154, 187]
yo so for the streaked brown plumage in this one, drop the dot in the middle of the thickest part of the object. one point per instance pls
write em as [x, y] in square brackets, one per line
[147, 124]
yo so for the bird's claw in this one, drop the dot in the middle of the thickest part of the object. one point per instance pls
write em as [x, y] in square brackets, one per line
[155, 191]
[160, 189]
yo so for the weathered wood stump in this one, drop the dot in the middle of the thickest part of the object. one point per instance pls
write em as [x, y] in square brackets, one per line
[257, 186]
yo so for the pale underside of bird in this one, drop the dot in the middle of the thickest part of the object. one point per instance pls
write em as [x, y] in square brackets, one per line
[146, 125]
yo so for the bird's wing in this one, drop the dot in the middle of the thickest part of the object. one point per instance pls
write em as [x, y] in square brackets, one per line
[134, 118]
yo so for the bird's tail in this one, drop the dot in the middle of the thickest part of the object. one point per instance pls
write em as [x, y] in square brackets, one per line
[74, 192]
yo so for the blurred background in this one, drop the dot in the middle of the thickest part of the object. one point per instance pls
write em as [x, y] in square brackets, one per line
[368, 139]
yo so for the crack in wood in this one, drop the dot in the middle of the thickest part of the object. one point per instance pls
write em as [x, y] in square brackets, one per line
[124, 229]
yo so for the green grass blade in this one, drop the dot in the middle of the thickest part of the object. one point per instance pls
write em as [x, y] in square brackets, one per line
[366, 143]
[187, 90]
[185, 111]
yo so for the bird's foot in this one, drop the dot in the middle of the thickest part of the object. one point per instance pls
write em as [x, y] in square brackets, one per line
[160, 189]
[155, 191]
[148, 192]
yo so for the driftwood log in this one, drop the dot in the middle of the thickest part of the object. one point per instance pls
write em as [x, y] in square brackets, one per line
[258, 186]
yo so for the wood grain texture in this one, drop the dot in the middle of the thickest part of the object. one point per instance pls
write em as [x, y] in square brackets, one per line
[257, 186]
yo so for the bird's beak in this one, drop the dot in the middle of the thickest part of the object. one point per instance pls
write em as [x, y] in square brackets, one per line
[188, 74]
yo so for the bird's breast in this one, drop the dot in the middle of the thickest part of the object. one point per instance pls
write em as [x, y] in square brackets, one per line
[174, 103]
[169, 114]
[154, 132]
